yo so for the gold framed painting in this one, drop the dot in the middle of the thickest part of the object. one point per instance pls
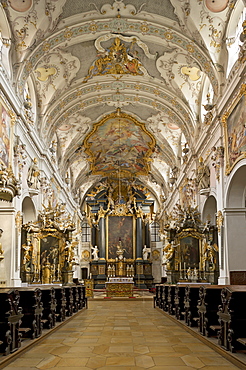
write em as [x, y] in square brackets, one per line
[234, 122]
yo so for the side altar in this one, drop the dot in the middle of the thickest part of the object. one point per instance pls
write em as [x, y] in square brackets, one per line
[119, 287]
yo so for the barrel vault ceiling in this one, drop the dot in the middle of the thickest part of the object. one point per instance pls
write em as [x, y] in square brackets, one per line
[117, 88]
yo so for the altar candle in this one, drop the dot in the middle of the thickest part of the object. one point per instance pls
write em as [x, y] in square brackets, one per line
[184, 265]
[180, 266]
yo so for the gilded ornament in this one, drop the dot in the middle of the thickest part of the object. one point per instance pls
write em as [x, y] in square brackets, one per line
[46, 46]
[93, 27]
[219, 220]
[68, 34]
[144, 28]
[168, 35]
[18, 221]
[190, 48]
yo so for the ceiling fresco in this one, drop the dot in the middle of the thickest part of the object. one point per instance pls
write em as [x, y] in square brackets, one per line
[119, 87]
[119, 146]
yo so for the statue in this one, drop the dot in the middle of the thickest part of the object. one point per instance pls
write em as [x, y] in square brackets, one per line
[3, 174]
[27, 256]
[189, 273]
[68, 256]
[33, 175]
[130, 200]
[120, 251]
[110, 196]
[202, 175]
[210, 252]
[1, 248]
[95, 253]
[169, 255]
[145, 253]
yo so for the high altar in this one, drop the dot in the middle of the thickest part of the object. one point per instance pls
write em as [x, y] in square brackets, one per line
[120, 230]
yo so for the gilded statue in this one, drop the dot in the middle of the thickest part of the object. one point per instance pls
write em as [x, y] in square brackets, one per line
[209, 255]
[115, 60]
[27, 263]
[169, 254]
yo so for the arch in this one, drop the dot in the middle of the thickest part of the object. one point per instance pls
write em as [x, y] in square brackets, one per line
[210, 209]
[235, 197]
[235, 225]
[28, 210]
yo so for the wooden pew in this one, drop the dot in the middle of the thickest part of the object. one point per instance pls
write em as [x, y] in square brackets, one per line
[232, 317]
[170, 299]
[60, 297]
[49, 305]
[10, 319]
[75, 292]
[157, 297]
[190, 304]
[165, 298]
[32, 305]
[82, 297]
[208, 303]
[69, 300]
[179, 302]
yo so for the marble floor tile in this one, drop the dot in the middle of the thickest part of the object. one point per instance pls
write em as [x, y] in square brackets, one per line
[123, 335]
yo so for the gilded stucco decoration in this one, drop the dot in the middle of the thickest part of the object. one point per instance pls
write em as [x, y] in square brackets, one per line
[115, 60]
[155, 62]
[31, 20]
[54, 73]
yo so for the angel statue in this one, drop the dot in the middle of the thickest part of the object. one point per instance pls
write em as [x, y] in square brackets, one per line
[95, 253]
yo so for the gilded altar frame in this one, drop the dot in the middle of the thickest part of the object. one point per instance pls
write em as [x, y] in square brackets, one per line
[48, 256]
[123, 238]
[233, 121]
[189, 248]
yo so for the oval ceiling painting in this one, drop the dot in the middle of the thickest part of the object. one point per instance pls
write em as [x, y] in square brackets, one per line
[119, 146]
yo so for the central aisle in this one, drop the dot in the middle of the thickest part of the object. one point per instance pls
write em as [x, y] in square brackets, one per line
[120, 335]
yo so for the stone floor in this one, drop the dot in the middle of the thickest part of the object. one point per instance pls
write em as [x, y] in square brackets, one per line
[120, 334]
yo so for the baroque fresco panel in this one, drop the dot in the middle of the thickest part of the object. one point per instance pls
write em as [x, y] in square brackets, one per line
[119, 143]
[5, 124]
[120, 227]
[236, 133]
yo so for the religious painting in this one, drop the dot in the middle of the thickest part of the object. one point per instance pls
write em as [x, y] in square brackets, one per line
[119, 145]
[189, 252]
[120, 232]
[5, 125]
[50, 259]
[235, 131]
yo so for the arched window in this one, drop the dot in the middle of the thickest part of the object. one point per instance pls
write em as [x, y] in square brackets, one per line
[154, 232]
[86, 232]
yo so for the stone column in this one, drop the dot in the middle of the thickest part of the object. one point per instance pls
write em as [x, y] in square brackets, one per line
[139, 238]
[147, 235]
[102, 246]
[93, 236]
[100, 265]
[139, 277]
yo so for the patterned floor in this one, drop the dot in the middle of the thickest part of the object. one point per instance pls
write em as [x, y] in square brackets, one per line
[121, 334]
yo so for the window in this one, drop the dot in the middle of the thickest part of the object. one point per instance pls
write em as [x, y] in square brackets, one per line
[154, 232]
[86, 232]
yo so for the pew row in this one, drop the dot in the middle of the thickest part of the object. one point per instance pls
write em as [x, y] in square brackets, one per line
[26, 311]
[217, 311]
